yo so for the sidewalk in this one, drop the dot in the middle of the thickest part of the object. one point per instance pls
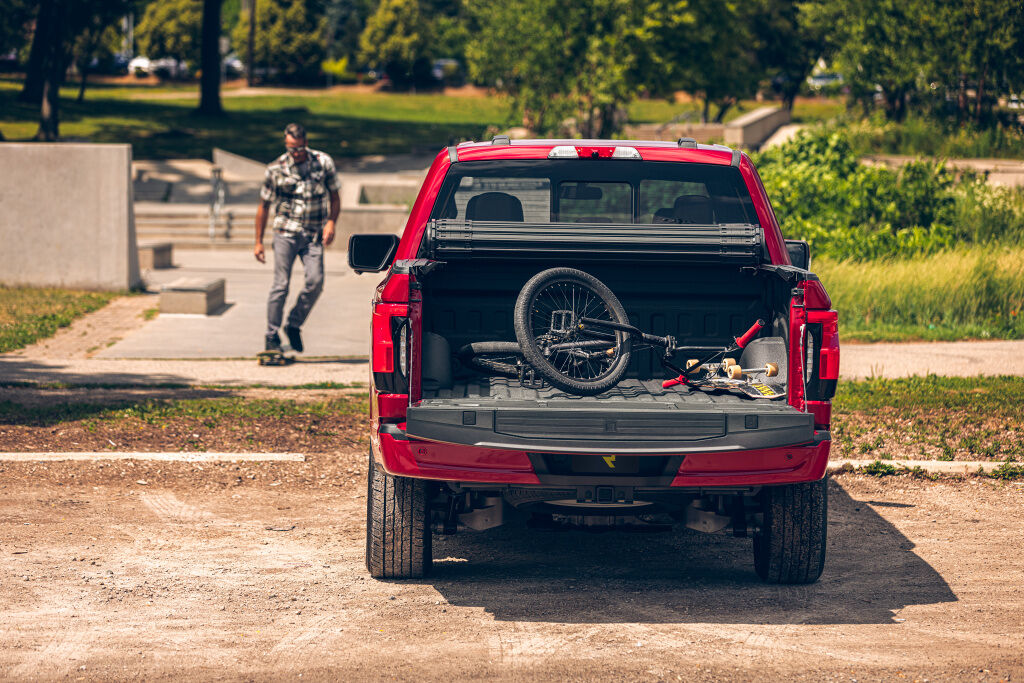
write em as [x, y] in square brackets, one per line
[339, 325]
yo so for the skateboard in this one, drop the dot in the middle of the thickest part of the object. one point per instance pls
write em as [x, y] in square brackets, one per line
[274, 358]
[729, 376]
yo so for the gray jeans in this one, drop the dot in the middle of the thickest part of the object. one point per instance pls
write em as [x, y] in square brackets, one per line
[310, 249]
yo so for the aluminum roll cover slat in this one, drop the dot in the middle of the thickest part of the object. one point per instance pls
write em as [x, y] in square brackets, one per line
[734, 243]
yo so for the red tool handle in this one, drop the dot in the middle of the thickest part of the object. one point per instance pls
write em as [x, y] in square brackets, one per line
[750, 334]
[672, 382]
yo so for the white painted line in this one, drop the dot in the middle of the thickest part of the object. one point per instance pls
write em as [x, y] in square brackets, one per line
[163, 457]
[930, 466]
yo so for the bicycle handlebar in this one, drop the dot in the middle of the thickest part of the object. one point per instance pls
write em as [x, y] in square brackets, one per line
[750, 334]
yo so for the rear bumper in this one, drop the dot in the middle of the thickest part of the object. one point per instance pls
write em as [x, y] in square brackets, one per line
[405, 456]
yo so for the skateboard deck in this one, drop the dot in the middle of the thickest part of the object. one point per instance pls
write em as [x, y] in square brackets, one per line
[274, 358]
[752, 388]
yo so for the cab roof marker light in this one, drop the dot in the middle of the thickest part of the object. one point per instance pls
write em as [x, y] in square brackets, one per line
[626, 153]
[563, 152]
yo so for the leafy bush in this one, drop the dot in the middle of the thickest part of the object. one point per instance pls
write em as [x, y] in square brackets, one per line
[849, 210]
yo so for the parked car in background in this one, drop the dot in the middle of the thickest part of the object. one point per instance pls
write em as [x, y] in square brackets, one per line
[139, 66]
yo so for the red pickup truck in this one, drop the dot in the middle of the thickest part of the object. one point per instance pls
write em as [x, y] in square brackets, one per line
[684, 237]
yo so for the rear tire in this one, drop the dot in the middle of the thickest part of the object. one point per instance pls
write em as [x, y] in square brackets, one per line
[790, 548]
[526, 334]
[498, 358]
[397, 526]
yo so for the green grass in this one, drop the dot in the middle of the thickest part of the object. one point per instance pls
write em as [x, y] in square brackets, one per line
[28, 314]
[963, 293]
[210, 411]
[999, 396]
[817, 109]
[341, 123]
[930, 418]
[805, 110]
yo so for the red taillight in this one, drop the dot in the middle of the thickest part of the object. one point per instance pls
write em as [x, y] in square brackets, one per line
[383, 352]
[829, 354]
[395, 289]
[595, 152]
[815, 296]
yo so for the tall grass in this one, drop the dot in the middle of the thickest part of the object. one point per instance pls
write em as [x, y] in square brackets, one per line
[920, 136]
[969, 292]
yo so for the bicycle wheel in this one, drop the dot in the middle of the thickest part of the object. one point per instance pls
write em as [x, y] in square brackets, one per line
[583, 361]
[500, 358]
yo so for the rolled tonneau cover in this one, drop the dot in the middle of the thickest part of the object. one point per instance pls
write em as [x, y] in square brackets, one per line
[739, 243]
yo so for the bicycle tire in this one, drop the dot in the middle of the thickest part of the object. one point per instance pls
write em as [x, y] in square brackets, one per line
[492, 357]
[535, 356]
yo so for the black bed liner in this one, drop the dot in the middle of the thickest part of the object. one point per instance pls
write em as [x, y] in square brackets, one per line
[636, 416]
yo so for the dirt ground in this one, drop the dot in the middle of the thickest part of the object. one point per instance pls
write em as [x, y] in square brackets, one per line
[255, 571]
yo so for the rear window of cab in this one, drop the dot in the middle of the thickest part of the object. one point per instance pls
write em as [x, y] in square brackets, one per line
[594, 191]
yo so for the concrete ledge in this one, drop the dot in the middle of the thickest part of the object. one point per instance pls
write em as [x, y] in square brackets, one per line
[155, 255]
[930, 466]
[237, 167]
[192, 295]
[163, 457]
[754, 127]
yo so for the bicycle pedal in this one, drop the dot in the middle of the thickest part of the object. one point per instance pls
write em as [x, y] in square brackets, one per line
[528, 379]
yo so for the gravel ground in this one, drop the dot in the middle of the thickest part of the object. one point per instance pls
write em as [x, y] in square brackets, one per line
[254, 571]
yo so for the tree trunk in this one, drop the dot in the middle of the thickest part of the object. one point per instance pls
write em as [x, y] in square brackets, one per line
[83, 72]
[209, 61]
[32, 90]
[49, 120]
[706, 111]
[250, 58]
[54, 66]
[961, 99]
[981, 95]
[723, 108]
[788, 99]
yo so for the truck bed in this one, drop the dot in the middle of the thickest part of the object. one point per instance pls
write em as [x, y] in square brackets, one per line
[636, 416]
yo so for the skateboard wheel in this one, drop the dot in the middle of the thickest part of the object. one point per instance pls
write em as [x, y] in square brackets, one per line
[771, 369]
[728, 362]
[735, 372]
[692, 365]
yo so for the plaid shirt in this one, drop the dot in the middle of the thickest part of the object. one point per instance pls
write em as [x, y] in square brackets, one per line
[300, 191]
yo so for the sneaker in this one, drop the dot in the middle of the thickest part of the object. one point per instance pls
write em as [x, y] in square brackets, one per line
[294, 338]
[273, 343]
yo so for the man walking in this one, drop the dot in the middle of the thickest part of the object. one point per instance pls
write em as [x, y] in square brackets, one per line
[299, 182]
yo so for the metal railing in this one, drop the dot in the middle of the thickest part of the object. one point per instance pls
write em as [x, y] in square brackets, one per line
[218, 198]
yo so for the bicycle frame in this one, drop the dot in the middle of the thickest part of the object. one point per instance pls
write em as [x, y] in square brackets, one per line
[667, 342]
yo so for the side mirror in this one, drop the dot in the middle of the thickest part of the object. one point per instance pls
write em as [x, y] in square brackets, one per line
[799, 253]
[371, 253]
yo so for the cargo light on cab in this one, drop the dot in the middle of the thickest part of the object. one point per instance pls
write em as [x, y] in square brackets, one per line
[573, 152]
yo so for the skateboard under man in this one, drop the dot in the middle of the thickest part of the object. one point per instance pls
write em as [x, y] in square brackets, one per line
[275, 357]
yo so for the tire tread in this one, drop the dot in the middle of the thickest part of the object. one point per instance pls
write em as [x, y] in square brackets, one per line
[790, 547]
[398, 540]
